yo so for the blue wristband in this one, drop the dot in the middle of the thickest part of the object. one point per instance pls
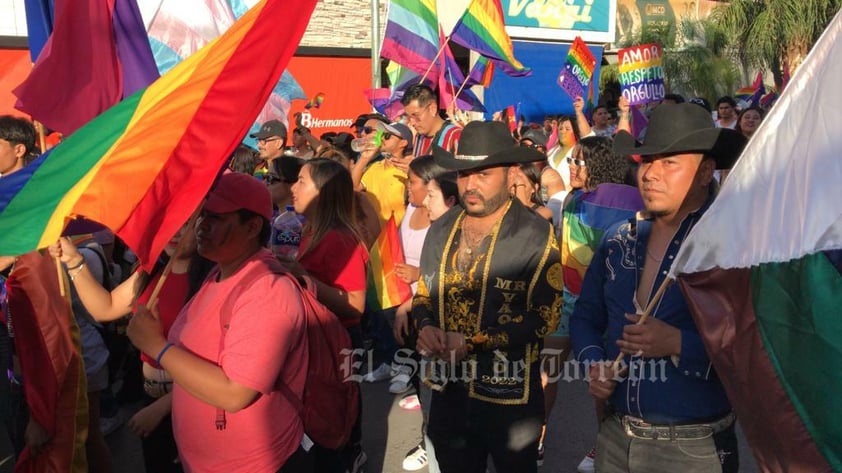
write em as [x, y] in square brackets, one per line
[161, 354]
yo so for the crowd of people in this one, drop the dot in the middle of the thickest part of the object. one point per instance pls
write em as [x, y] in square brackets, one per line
[522, 248]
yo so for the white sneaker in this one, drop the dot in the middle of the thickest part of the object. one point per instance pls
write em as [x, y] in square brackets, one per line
[402, 375]
[588, 464]
[382, 372]
[415, 459]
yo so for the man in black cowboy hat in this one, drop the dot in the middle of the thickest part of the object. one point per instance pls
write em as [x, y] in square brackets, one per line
[490, 289]
[666, 409]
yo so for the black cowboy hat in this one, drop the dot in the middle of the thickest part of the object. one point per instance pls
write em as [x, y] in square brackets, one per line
[484, 145]
[684, 128]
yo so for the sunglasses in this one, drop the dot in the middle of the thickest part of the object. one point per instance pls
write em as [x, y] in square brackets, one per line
[578, 162]
[366, 130]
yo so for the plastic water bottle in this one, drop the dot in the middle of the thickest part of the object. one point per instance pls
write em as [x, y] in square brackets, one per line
[370, 142]
[286, 234]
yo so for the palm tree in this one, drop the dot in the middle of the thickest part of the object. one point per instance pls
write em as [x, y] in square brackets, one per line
[774, 34]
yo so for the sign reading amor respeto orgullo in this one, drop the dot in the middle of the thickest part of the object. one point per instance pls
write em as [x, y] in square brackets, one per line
[641, 73]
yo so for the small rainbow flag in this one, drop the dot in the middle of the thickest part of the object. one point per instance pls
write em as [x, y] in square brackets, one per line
[386, 290]
[481, 73]
[578, 69]
[481, 29]
[143, 166]
[316, 101]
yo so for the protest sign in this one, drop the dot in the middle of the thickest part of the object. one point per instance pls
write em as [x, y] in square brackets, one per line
[578, 69]
[641, 73]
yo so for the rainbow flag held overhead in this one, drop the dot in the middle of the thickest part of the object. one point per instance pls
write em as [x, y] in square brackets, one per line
[762, 274]
[96, 56]
[411, 38]
[143, 166]
[385, 289]
[481, 73]
[452, 84]
[751, 96]
[177, 31]
[481, 29]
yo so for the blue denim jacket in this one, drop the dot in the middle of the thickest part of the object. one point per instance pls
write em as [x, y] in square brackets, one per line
[667, 390]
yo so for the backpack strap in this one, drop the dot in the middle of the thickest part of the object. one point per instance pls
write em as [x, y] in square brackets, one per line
[227, 310]
[302, 283]
[225, 313]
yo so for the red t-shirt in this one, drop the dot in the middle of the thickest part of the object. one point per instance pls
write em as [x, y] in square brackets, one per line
[265, 339]
[170, 301]
[338, 260]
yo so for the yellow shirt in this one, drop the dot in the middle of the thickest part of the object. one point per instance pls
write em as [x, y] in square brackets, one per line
[386, 187]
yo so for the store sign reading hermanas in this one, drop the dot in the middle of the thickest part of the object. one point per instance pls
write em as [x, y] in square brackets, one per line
[593, 20]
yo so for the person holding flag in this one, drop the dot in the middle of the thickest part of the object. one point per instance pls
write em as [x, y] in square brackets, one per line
[666, 409]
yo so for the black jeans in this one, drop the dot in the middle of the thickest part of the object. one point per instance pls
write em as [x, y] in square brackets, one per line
[465, 431]
[300, 462]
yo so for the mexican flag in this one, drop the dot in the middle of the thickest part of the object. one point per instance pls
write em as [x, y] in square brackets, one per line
[761, 272]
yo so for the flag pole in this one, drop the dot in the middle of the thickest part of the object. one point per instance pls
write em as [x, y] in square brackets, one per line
[461, 87]
[179, 249]
[438, 54]
[646, 313]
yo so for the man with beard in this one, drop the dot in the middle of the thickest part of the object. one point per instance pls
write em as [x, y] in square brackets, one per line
[490, 290]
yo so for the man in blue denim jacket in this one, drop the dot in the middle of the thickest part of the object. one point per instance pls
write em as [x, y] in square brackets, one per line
[666, 409]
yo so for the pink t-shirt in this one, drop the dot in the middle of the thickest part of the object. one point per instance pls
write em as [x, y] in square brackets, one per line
[265, 339]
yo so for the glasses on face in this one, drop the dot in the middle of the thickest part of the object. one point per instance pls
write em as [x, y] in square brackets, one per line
[267, 140]
[576, 162]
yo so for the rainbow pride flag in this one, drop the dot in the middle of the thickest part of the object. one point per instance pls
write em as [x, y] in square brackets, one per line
[481, 29]
[411, 38]
[385, 289]
[143, 166]
[481, 73]
[586, 217]
[55, 387]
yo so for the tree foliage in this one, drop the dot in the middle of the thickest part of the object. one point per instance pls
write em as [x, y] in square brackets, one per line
[774, 34]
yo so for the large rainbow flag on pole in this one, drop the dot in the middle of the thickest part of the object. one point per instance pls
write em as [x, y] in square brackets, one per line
[762, 271]
[411, 38]
[142, 167]
[386, 290]
[481, 29]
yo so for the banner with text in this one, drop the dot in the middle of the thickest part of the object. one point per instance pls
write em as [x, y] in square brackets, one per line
[641, 73]
[578, 69]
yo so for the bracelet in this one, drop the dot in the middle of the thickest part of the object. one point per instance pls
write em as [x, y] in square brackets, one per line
[81, 263]
[161, 354]
[78, 270]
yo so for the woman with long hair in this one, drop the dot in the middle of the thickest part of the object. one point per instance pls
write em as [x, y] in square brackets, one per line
[334, 253]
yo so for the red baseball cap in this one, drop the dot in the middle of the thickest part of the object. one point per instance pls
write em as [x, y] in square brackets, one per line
[235, 191]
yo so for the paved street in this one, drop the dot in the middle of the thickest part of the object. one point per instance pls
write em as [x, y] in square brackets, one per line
[389, 432]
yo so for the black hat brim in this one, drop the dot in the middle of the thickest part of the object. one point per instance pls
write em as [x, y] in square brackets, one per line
[722, 144]
[512, 156]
